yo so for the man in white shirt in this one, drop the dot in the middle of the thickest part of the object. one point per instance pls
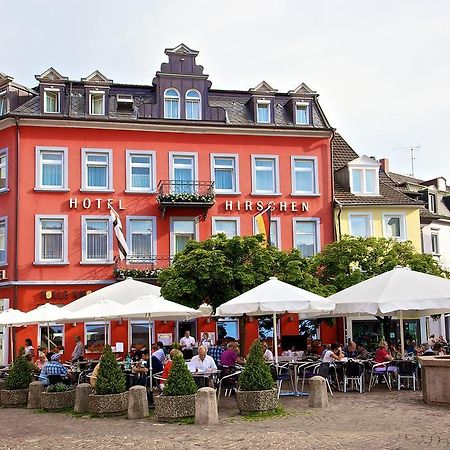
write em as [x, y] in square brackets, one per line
[187, 344]
[202, 362]
[159, 352]
[268, 355]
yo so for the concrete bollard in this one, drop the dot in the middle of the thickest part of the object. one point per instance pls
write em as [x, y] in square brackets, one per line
[2, 386]
[34, 394]
[318, 397]
[82, 392]
[137, 402]
[206, 412]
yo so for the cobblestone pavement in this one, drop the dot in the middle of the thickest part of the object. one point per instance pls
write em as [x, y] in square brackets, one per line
[373, 420]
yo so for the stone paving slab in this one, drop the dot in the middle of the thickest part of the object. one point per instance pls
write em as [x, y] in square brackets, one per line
[373, 420]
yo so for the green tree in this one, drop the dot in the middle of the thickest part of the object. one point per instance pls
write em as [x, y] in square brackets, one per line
[110, 379]
[180, 381]
[256, 375]
[20, 375]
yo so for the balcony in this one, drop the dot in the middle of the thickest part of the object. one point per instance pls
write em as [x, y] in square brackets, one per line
[141, 269]
[186, 194]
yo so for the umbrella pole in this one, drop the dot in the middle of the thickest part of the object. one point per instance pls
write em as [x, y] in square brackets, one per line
[48, 336]
[106, 337]
[275, 337]
[150, 368]
[402, 335]
[11, 350]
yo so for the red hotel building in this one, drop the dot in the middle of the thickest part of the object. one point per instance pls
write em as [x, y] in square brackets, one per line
[70, 149]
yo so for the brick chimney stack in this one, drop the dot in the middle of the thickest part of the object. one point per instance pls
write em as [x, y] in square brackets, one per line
[384, 164]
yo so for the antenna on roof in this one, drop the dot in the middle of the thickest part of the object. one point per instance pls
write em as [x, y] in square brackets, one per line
[412, 155]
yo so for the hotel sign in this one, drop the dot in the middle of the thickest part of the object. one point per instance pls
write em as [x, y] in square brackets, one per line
[97, 203]
[249, 205]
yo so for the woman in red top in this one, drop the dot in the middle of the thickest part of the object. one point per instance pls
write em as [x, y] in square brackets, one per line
[168, 365]
[382, 354]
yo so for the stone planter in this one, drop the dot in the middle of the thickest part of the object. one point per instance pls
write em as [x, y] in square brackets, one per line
[108, 404]
[169, 407]
[248, 401]
[58, 400]
[16, 397]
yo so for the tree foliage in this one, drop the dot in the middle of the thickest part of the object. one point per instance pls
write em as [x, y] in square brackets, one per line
[110, 379]
[256, 375]
[20, 375]
[180, 381]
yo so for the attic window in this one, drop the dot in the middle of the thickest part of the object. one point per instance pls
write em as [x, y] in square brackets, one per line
[124, 101]
[171, 104]
[97, 103]
[3, 103]
[364, 181]
[302, 113]
[432, 203]
[52, 101]
[263, 111]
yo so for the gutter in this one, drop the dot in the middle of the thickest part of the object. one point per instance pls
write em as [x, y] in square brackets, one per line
[339, 205]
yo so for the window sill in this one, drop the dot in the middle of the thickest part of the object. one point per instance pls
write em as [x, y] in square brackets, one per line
[227, 193]
[265, 194]
[130, 191]
[4, 191]
[96, 263]
[51, 263]
[3, 263]
[305, 194]
[44, 189]
[106, 191]
[361, 194]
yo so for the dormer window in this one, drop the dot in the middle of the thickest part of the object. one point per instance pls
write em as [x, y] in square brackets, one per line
[171, 104]
[432, 206]
[3, 103]
[363, 176]
[97, 103]
[193, 105]
[52, 101]
[302, 113]
[263, 111]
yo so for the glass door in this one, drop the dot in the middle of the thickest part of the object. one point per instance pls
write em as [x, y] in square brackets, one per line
[183, 174]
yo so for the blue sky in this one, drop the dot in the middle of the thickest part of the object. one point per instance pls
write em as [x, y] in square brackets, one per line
[382, 68]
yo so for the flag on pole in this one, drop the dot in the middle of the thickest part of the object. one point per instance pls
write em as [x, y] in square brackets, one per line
[262, 224]
[121, 242]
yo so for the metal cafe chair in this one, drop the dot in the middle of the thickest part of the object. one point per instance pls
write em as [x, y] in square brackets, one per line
[324, 371]
[228, 381]
[407, 370]
[354, 373]
[307, 371]
[379, 370]
[280, 373]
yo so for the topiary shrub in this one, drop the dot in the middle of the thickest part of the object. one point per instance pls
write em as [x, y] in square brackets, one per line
[21, 374]
[180, 381]
[256, 375]
[110, 379]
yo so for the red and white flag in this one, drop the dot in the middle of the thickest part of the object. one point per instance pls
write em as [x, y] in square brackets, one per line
[121, 241]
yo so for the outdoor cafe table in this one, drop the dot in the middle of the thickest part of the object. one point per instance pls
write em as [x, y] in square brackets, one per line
[201, 378]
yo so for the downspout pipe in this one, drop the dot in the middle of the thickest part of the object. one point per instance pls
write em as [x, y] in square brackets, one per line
[339, 205]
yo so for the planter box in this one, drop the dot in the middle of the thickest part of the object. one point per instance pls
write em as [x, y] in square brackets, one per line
[58, 400]
[248, 401]
[16, 397]
[169, 407]
[108, 404]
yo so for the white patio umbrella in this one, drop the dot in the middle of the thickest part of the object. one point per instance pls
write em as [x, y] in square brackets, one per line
[275, 297]
[10, 318]
[401, 291]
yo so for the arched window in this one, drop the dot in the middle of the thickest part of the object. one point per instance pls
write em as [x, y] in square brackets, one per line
[171, 104]
[193, 105]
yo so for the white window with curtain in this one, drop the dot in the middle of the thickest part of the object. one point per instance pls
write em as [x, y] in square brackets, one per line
[307, 236]
[230, 226]
[394, 226]
[97, 103]
[52, 168]
[265, 178]
[435, 242]
[97, 170]
[360, 225]
[97, 239]
[182, 230]
[364, 181]
[193, 105]
[51, 239]
[171, 104]
[302, 113]
[141, 175]
[183, 170]
[3, 103]
[3, 240]
[304, 175]
[263, 111]
[3, 169]
[225, 173]
[52, 101]
[141, 238]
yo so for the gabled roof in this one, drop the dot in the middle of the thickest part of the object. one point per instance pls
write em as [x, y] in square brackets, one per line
[302, 89]
[97, 77]
[50, 74]
[364, 161]
[264, 88]
[181, 49]
[4, 79]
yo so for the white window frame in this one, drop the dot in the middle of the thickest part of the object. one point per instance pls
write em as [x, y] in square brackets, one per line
[295, 191]
[172, 234]
[308, 106]
[65, 169]
[171, 98]
[141, 322]
[269, 115]
[129, 219]
[37, 239]
[434, 196]
[276, 175]
[235, 219]
[369, 219]
[186, 100]
[84, 175]
[4, 100]
[100, 323]
[296, 220]
[272, 219]
[51, 324]
[234, 156]
[193, 155]
[58, 100]
[403, 230]
[5, 261]
[4, 152]
[435, 233]
[152, 155]
[84, 259]
[91, 94]
[363, 181]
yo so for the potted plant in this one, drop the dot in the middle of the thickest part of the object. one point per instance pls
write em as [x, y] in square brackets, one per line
[110, 394]
[256, 390]
[178, 397]
[58, 396]
[15, 392]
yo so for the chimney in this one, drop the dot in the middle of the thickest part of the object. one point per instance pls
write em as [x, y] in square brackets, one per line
[384, 164]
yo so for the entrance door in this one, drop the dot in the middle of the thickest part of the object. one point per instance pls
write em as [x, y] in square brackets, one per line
[190, 326]
[4, 304]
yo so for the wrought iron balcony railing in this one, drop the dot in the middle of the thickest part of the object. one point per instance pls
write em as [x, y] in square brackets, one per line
[148, 267]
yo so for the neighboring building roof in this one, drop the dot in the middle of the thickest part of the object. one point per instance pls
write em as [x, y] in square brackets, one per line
[389, 194]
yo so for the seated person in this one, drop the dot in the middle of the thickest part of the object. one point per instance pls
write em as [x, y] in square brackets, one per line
[438, 349]
[168, 365]
[158, 351]
[144, 368]
[52, 368]
[334, 354]
[350, 350]
[268, 355]
[216, 350]
[361, 351]
[94, 375]
[230, 357]
[382, 354]
[327, 347]
[202, 362]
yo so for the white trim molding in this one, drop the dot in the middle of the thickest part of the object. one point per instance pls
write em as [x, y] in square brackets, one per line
[369, 222]
[109, 250]
[153, 220]
[316, 221]
[235, 157]
[84, 176]
[403, 230]
[38, 186]
[38, 242]
[5, 261]
[4, 152]
[146, 153]
[235, 219]
[315, 174]
[276, 174]
[174, 154]
[172, 235]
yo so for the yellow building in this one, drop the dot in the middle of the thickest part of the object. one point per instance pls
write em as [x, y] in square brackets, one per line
[367, 202]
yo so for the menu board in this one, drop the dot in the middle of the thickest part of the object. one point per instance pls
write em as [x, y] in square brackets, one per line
[165, 338]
